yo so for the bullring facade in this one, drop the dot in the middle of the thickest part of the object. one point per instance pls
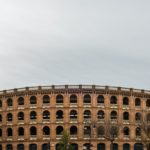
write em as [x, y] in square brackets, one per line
[33, 118]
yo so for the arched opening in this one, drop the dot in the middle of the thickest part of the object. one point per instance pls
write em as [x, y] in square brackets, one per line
[21, 131]
[113, 115]
[32, 115]
[87, 99]
[59, 114]
[126, 131]
[126, 146]
[148, 103]
[100, 100]
[33, 131]
[101, 146]
[20, 147]
[46, 146]
[100, 131]
[0, 103]
[59, 99]
[100, 114]
[9, 147]
[32, 147]
[73, 114]
[0, 132]
[138, 146]
[137, 102]
[46, 99]
[74, 146]
[0, 118]
[87, 114]
[87, 146]
[20, 101]
[9, 132]
[113, 100]
[73, 130]
[125, 101]
[9, 102]
[20, 116]
[59, 130]
[125, 116]
[138, 116]
[9, 117]
[0, 147]
[46, 130]
[33, 100]
[87, 131]
[46, 115]
[148, 117]
[138, 132]
[115, 146]
[73, 99]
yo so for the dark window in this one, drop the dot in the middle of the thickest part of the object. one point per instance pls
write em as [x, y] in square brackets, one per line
[20, 116]
[33, 131]
[148, 103]
[0, 132]
[9, 117]
[46, 146]
[87, 99]
[100, 99]
[32, 147]
[59, 99]
[137, 102]
[9, 102]
[101, 146]
[138, 131]
[33, 115]
[125, 116]
[126, 131]
[9, 132]
[33, 100]
[74, 146]
[138, 146]
[100, 114]
[115, 146]
[59, 130]
[46, 99]
[73, 130]
[113, 115]
[59, 114]
[0, 103]
[126, 146]
[0, 118]
[148, 117]
[9, 147]
[125, 101]
[73, 114]
[46, 114]
[73, 99]
[46, 130]
[87, 130]
[20, 147]
[87, 114]
[138, 116]
[21, 131]
[113, 100]
[20, 101]
[100, 131]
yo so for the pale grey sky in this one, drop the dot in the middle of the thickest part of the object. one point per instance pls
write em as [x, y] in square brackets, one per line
[44, 42]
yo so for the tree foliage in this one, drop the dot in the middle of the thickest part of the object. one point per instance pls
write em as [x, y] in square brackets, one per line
[64, 143]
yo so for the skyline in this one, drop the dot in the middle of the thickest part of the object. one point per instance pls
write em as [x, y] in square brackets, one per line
[65, 42]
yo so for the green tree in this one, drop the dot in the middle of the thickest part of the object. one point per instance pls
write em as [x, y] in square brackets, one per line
[64, 143]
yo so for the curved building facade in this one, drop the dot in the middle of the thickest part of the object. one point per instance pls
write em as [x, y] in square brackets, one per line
[33, 118]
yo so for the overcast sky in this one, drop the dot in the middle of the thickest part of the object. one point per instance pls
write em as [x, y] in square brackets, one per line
[44, 42]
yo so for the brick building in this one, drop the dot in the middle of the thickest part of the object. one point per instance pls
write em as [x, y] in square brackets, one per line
[33, 118]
